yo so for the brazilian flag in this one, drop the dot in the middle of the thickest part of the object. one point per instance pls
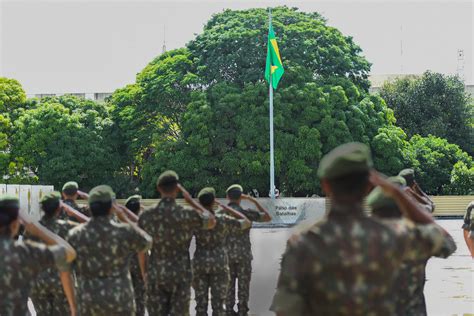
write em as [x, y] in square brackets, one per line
[274, 66]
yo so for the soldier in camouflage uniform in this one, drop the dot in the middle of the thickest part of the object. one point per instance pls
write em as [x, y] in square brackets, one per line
[103, 250]
[468, 228]
[47, 291]
[168, 273]
[415, 191]
[347, 263]
[20, 262]
[70, 194]
[210, 263]
[410, 281]
[240, 251]
[133, 203]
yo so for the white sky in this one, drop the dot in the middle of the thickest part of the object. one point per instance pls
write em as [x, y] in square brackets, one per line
[84, 46]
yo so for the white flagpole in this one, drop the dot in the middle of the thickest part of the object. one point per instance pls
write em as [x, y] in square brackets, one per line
[272, 160]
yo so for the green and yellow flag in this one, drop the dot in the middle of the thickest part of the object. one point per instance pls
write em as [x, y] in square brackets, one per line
[274, 65]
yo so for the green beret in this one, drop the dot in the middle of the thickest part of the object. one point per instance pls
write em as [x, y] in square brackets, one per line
[345, 159]
[377, 198]
[133, 199]
[51, 197]
[207, 191]
[9, 201]
[235, 187]
[101, 193]
[71, 185]
[167, 177]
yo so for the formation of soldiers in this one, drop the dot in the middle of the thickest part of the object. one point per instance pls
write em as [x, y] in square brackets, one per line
[112, 259]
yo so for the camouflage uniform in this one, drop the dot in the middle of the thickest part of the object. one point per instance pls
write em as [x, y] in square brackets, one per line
[468, 221]
[20, 262]
[81, 209]
[138, 285]
[47, 291]
[102, 266]
[211, 265]
[169, 269]
[240, 261]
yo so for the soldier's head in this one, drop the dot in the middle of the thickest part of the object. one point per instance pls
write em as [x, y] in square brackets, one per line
[133, 203]
[409, 176]
[70, 190]
[167, 184]
[101, 199]
[382, 205]
[234, 193]
[344, 173]
[50, 204]
[207, 197]
[9, 210]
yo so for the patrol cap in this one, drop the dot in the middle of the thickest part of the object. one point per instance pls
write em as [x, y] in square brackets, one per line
[9, 207]
[408, 174]
[207, 192]
[377, 198]
[51, 197]
[133, 199]
[71, 185]
[101, 193]
[345, 159]
[167, 177]
[235, 188]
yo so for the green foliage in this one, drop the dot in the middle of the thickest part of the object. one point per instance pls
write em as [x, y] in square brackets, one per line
[434, 161]
[462, 180]
[433, 104]
[12, 95]
[232, 48]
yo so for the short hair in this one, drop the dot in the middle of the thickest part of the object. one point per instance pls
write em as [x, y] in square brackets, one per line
[50, 207]
[168, 187]
[351, 186]
[100, 208]
[133, 206]
[70, 191]
[206, 200]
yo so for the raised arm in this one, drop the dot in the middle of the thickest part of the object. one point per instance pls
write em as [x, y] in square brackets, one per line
[72, 212]
[197, 207]
[83, 195]
[68, 286]
[129, 214]
[267, 217]
[236, 213]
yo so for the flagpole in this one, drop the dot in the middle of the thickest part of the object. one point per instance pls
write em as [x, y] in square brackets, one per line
[272, 160]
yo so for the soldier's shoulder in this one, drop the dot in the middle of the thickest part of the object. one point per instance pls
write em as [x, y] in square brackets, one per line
[77, 230]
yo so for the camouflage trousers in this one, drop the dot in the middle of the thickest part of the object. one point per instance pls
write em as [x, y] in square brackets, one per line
[50, 304]
[140, 294]
[217, 283]
[240, 271]
[168, 299]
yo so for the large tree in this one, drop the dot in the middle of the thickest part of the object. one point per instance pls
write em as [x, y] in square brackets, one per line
[433, 104]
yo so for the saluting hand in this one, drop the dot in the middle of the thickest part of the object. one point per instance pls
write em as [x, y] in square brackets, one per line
[377, 179]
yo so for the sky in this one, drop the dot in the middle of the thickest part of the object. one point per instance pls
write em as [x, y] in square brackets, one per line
[98, 46]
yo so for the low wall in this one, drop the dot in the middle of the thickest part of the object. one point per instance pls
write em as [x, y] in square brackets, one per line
[29, 196]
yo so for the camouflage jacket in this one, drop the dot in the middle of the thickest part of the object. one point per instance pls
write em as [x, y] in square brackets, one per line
[210, 255]
[468, 223]
[48, 280]
[347, 264]
[20, 262]
[103, 250]
[171, 227]
[238, 241]
[82, 209]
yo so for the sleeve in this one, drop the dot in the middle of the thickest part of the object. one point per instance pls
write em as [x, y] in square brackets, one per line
[470, 216]
[42, 256]
[137, 241]
[289, 298]
[254, 215]
[236, 224]
[196, 220]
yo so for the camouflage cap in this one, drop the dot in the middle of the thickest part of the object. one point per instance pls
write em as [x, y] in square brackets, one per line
[51, 197]
[235, 187]
[408, 174]
[345, 159]
[167, 177]
[70, 185]
[207, 191]
[377, 198]
[133, 199]
[9, 201]
[101, 193]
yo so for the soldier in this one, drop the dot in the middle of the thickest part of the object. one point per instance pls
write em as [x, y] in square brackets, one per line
[346, 264]
[415, 191]
[168, 274]
[410, 281]
[70, 194]
[468, 228]
[210, 263]
[240, 251]
[20, 262]
[47, 293]
[103, 249]
[133, 203]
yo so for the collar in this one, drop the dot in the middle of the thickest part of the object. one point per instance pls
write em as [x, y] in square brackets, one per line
[356, 210]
